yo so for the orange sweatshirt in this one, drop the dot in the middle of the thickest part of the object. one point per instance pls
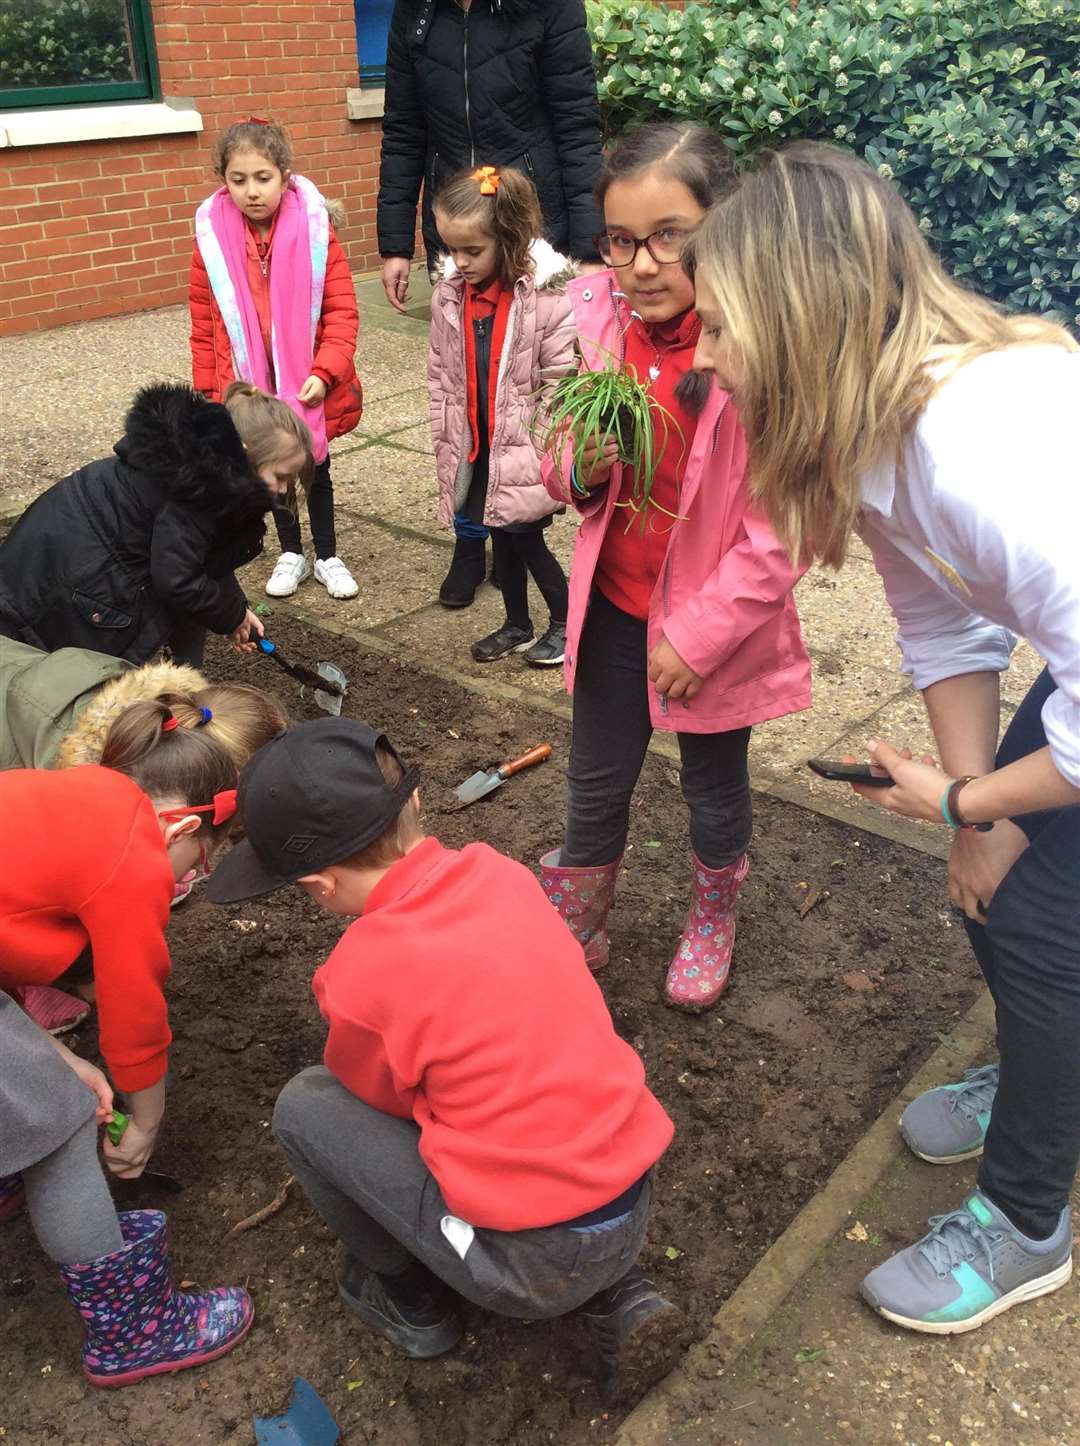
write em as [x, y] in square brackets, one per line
[82, 862]
[461, 1000]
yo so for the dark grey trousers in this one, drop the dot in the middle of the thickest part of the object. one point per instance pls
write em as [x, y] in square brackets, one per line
[362, 1171]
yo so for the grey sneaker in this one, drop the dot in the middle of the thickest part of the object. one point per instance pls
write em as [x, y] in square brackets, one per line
[949, 1123]
[973, 1265]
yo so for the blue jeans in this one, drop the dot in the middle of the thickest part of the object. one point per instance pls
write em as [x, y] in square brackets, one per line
[1029, 952]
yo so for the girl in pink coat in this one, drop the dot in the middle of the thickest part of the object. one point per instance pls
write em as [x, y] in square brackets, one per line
[689, 623]
[501, 329]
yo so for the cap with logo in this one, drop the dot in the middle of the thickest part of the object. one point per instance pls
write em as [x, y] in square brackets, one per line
[310, 798]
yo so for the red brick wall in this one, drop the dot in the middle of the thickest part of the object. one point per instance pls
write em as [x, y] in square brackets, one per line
[105, 227]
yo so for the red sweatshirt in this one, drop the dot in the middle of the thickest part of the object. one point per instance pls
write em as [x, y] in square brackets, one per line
[461, 999]
[82, 862]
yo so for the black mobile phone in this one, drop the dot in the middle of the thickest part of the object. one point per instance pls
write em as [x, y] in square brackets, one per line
[838, 772]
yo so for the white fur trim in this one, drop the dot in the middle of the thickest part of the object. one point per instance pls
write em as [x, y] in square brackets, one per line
[547, 261]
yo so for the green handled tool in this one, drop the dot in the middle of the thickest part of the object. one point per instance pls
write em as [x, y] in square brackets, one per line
[115, 1131]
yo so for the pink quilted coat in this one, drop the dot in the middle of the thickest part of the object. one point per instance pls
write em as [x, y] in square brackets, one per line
[723, 599]
[538, 349]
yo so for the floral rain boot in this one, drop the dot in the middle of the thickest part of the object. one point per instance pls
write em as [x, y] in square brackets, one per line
[137, 1324]
[698, 974]
[12, 1196]
[583, 898]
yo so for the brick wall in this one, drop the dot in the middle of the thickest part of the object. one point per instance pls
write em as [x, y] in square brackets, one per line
[102, 228]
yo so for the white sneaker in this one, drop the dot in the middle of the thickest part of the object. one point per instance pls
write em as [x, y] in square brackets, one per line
[289, 572]
[335, 577]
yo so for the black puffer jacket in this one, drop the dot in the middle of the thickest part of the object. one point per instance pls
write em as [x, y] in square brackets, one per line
[112, 556]
[510, 83]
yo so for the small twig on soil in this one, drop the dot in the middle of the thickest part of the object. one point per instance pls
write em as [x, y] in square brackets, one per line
[251, 1221]
[813, 898]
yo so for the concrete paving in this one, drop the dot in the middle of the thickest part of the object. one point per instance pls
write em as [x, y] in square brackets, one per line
[65, 393]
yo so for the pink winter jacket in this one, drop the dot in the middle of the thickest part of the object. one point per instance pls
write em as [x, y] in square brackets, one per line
[723, 599]
[537, 350]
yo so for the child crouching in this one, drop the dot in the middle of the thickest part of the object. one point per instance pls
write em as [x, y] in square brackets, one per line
[477, 1126]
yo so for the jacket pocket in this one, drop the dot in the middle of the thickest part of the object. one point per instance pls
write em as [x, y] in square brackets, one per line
[97, 612]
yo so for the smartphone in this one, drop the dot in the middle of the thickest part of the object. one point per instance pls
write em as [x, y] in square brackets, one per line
[838, 772]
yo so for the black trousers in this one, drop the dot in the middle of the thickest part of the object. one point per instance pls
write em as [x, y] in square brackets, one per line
[320, 505]
[517, 554]
[611, 734]
[1029, 952]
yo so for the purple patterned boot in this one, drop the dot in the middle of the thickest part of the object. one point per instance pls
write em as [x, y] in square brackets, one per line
[12, 1196]
[137, 1324]
[583, 898]
[698, 974]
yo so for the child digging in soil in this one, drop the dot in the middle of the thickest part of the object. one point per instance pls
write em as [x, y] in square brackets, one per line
[91, 856]
[501, 327]
[477, 1128]
[681, 618]
[272, 302]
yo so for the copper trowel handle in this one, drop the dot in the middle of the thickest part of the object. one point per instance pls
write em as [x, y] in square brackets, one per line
[534, 755]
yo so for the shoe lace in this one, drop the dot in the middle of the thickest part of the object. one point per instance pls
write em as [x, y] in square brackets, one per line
[976, 1094]
[954, 1238]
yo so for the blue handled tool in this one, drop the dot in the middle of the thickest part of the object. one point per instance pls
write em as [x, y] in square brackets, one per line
[326, 679]
[307, 1422]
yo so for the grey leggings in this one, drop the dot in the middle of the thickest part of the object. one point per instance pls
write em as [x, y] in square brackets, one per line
[69, 1203]
[612, 728]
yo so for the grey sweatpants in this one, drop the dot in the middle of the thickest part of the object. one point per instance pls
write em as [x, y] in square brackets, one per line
[362, 1171]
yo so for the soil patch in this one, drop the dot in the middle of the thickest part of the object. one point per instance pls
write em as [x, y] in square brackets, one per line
[829, 1012]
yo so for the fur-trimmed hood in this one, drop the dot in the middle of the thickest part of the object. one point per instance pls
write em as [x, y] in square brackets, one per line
[85, 741]
[552, 270]
[192, 450]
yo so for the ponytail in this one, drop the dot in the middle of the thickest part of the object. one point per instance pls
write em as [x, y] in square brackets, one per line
[168, 761]
[505, 203]
[269, 429]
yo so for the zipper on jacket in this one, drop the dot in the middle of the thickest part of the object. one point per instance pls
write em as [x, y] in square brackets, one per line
[468, 107]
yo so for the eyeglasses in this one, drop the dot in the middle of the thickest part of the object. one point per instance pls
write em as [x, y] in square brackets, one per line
[619, 248]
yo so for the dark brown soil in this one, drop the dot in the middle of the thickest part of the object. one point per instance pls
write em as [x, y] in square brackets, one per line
[826, 1017]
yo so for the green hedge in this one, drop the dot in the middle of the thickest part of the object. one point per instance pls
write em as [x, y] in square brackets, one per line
[62, 42]
[973, 106]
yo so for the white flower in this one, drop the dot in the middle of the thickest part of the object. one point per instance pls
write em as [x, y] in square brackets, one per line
[633, 13]
[680, 96]
[753, 36]
[925, 224]
[902, 154]
[834, 62]
[676, 72]
[748, 92]
[885, 171]
[969, 31]
[1061, 253]
[727, 82]
[652, 42]
[781, 66]
[1072, 203]
[841, 79]
[665, 89]
[885, 68]
[1064, 180]
[1037, 283]
[840, 132]
[778, 42]
[950, 139]
[1012, 219]
[1021, 143]
[775, 118]
[812, 48]
[676, 52]
[646, 76]
[896, 48]
[706, 88]
[709, 33]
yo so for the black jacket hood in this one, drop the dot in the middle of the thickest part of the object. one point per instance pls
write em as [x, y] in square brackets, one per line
[192, 450]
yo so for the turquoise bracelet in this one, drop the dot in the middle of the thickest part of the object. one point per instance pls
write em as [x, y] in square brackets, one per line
[946, 815]
[575, 486]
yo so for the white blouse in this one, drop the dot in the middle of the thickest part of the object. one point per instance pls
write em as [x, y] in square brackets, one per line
[977, 536]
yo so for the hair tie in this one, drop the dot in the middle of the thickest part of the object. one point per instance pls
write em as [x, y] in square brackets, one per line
[168, 723]
[489, 178]
[206, 716]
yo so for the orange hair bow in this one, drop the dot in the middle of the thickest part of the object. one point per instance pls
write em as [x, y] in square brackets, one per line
[488, 177]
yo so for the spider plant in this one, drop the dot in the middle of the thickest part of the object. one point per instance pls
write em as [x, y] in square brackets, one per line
[608, 404]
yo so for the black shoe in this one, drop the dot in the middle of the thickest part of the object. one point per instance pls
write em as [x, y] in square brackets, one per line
[508, 639]
[426, 1326]
[465, 575]
[551, 648]
[637, 1336]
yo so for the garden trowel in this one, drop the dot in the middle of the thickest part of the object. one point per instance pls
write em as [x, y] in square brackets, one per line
[307, 1422]
[481, 784]
[326, 679]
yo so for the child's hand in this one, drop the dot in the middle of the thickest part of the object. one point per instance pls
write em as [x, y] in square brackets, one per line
[670, 675]
[92, 1078]
[312, 392]
[131, 1156]
[242, 637]
[594, 467]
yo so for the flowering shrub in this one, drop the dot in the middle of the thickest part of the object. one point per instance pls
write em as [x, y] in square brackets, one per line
[972, 108]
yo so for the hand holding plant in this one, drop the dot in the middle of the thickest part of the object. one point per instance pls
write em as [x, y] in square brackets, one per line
[597, 460]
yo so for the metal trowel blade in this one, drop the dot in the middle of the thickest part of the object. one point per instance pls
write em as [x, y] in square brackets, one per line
[331, 702]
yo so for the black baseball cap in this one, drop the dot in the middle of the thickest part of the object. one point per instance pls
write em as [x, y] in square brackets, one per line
[311, 797]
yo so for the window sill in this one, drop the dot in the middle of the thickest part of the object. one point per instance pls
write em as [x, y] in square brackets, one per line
[63, 124]
[363, 105]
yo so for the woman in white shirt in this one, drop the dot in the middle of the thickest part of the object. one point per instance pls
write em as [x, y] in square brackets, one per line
[879, 396]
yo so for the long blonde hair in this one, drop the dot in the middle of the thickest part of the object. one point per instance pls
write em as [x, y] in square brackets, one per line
[269, 429]
[825, 282]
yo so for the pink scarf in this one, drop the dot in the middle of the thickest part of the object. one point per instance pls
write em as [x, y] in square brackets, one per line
[297, 277]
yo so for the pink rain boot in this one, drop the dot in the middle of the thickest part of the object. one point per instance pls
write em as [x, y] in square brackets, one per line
[583, 898]
[699, 972]
[55, 1011]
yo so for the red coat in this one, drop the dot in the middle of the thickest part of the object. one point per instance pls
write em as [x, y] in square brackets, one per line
[335, 341]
